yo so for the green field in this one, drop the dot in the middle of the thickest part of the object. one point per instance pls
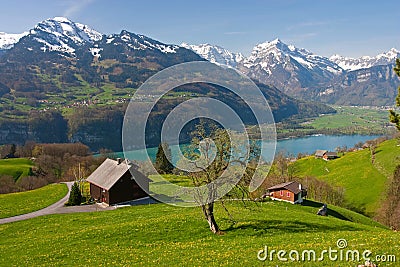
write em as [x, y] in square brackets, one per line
[347, 120]
[363, 181]
[15, 167]
[363, 119]
[162, 235]
[24, 202]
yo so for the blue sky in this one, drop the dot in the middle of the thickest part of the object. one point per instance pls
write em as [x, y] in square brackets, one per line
[350, 28]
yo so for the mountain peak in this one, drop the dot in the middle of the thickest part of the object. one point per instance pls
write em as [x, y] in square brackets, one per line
[140, 42]
[274, 43]
[62, 35]
[60, 19]
[62, 27]
[216, 54]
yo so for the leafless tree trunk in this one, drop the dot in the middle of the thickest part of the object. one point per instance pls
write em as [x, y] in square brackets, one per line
[208, 211]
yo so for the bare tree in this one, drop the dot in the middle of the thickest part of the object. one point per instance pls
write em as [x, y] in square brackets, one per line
[219, 164]
[7, 184]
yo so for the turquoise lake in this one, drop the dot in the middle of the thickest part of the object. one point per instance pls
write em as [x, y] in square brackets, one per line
[291, 147]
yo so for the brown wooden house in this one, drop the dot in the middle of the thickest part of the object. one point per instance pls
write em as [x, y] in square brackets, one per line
[116, 181]
[292, 192]
[330, 155]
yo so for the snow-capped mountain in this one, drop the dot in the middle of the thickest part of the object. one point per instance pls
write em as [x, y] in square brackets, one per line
[296, 71]
[275, 63]
[62, 35]
[216, 54]
[288, 67]
[267, 55]
[300, 73]
[139, 42]
[7, 40]
[364, 62]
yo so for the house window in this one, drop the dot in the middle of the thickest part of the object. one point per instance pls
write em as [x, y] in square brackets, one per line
[288, 194]
[281, 193]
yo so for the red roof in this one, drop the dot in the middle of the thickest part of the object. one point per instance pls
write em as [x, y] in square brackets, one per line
[291, 186]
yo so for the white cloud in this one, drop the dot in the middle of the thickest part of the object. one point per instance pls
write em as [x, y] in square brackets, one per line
[76, 6]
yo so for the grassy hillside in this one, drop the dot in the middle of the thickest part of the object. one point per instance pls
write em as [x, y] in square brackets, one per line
[15, 167]
[24, 202]
[387, 157]
[162, 235]
[364, 181]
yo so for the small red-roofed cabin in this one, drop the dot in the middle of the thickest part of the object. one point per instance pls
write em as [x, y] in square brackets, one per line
[292, 192]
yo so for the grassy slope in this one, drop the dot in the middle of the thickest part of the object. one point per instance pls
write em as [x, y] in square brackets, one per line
[387, 157]
[25, 202]
[15, 167]
[159, 234]
[363, 181]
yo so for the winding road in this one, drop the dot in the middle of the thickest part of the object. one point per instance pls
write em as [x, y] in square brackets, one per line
[57, 208]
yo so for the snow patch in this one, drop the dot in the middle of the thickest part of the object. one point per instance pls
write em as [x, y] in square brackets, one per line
[8, 40]
[96, 51]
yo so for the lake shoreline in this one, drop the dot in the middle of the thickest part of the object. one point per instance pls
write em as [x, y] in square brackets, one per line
[290, 146]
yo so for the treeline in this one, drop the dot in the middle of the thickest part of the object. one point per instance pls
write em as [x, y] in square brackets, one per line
[52, 163]
[98, 127]
[389, 213]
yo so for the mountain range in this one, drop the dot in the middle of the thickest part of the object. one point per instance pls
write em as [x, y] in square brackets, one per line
[296, 71]
[63, 81]
[305, 75]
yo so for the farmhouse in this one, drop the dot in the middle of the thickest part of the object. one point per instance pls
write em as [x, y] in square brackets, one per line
[324, 154]
[330, 155]
[116, 181]
[292, 192]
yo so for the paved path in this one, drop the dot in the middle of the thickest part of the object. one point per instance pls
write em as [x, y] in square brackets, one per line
[57, 208]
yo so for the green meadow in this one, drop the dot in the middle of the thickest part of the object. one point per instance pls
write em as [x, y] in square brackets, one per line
[163, 235]
[16, 168]
[362, 119]
[24, 202]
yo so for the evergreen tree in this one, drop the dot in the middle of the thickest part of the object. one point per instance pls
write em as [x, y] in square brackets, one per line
[395, 117]
[163, 159]
[75, 197]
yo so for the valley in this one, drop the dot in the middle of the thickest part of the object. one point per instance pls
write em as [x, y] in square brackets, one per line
[64, 92]
[93, 76]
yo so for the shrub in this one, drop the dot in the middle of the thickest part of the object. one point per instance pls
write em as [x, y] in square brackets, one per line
[75, 198]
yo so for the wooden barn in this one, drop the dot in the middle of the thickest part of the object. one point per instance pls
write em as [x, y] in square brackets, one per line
[320, 153]
[116, 181]
[292, 192]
